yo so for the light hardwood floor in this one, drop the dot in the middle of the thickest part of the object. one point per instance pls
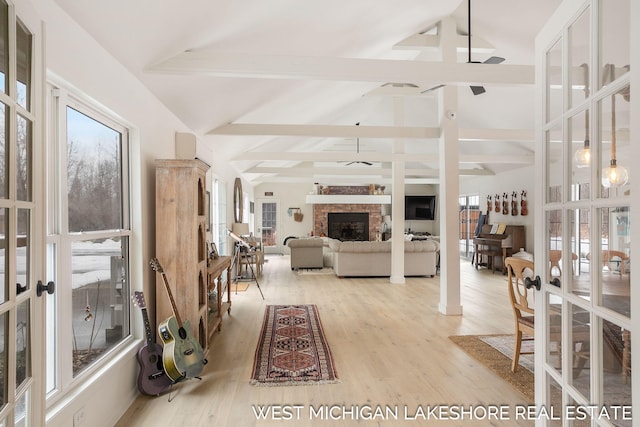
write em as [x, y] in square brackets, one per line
[389, 342]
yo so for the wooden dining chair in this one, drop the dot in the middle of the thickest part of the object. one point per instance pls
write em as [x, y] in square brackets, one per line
[517, 270]
[554, 261]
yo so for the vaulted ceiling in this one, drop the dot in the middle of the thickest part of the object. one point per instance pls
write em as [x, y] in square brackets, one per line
[277, 87]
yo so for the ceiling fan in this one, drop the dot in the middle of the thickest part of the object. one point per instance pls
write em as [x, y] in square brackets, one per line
[477, 90]
[358, 152]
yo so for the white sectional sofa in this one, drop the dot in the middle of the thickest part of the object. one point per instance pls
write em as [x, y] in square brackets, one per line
[374, 258]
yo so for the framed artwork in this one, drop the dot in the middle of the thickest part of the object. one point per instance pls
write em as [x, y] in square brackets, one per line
[213, 253]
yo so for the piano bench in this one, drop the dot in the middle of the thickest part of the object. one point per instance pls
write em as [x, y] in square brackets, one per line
[491, 258]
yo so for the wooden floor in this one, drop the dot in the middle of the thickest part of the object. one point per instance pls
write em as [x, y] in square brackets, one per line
[390, 346]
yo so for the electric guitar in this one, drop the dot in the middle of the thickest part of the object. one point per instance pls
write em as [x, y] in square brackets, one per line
[182, 356]
[152, 379]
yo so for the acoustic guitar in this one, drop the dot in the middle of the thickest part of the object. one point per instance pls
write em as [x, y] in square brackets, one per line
[152, 379]
[182, 356]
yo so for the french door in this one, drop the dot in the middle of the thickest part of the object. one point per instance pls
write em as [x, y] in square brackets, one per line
[21, 218]
[268, 223]
[585, 145]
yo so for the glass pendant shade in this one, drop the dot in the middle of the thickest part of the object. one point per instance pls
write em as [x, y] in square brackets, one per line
[614, 175]
[583, 156]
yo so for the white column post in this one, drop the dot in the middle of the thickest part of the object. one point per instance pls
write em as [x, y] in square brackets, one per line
[449, 182]
[397, 200]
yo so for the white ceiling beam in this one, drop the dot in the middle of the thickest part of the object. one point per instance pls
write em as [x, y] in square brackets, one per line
[326, 131]
[342, 131]
[363, 170]
[231, 64]
[516, 135]
[341, 180]
[328, 156]
[432, 42]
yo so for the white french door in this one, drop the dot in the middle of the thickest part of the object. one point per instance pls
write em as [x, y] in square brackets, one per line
[584, 146]
[21, 218]
[267, 225]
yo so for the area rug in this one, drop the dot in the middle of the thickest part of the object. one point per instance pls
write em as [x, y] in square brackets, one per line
[499, 363]
[239, 287]
[292, 348]
[315, 271]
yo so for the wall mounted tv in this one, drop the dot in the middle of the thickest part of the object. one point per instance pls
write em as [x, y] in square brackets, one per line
[420, 207]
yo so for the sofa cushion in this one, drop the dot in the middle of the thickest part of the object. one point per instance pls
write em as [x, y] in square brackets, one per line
[305, 243]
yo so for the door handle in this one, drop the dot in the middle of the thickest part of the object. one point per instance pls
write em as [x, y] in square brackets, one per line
[20, 289]
[533, 283]
[537, 283]
[50, 287]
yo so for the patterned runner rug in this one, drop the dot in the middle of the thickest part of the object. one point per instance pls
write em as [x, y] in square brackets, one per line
[292, 348]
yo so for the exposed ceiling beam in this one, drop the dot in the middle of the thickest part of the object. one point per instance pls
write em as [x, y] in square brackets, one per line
[326, 131]
[230, 64]
[341, 180]
[343, 131]
[328, 156]
[432, 42]
[368, 171]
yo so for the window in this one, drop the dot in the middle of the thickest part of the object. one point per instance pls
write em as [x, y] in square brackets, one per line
[88, 238]
[220, 216]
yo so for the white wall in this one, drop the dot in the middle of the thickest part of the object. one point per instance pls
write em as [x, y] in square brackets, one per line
[506, 182]
[75, 59]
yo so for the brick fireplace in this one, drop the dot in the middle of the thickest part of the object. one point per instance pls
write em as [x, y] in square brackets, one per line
[321, 217]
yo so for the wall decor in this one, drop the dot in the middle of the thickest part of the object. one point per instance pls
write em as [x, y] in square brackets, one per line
[497, 203]
[514, 203]
[489, 204]
[505, 204]
[523, 203]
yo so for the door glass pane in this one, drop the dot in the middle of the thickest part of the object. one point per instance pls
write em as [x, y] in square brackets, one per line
[24, 159]
[554, 237]
[554, 402]
[51, 334]
[4, 259]
[269, 231]
[579, 351]
[93, 173]
[554, 80]
[23, 65]
[23, 343]
[579, 35]
[99, 318]
[553, 332]
[554, 159]
[23, 251]
[580, 252]
[4, 45]
[614, 258]
[581, 156]
[616, 368]
[615, 27]
[615, 145]
[22, 414]
[4, 156]
[4, 357]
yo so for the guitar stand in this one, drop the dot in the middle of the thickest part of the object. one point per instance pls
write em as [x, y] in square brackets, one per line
[170, 398]
[253, 273]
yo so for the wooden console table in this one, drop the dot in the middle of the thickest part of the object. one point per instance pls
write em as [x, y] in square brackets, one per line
[216, 306]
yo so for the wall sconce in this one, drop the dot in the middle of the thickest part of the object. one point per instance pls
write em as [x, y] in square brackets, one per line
[583, 155]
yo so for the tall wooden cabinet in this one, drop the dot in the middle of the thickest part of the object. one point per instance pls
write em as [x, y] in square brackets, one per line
[181, 242]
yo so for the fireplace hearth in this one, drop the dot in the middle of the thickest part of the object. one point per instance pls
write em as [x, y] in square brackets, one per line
[348, 226]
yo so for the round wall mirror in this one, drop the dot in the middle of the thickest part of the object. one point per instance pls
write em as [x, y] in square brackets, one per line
[237, 200]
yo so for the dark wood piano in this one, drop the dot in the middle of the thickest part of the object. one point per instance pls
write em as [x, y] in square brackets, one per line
[500, 246]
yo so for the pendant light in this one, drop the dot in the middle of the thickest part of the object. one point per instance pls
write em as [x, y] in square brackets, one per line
[583, 155]
[614, 175]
